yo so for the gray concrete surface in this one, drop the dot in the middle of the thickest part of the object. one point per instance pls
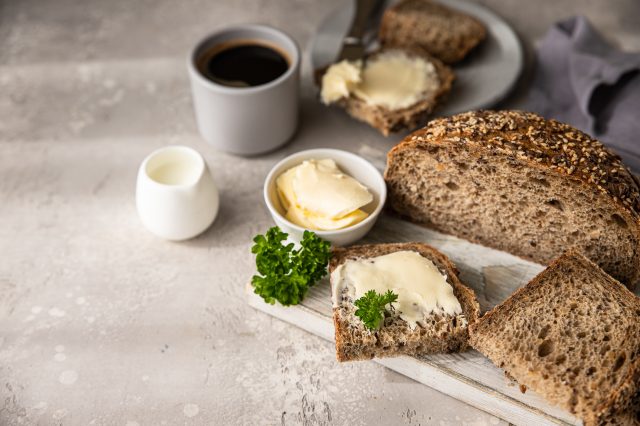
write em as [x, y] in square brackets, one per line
[101, 322]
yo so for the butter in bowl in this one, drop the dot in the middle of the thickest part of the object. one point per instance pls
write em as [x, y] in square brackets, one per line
[334, 193]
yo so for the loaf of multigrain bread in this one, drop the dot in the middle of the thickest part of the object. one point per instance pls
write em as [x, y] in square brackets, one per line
[445, 33]
[573, 336]
[436, 334]
[519, 183]
[388, 120]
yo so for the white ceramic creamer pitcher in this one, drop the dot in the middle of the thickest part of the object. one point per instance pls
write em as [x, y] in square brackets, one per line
[176, 197]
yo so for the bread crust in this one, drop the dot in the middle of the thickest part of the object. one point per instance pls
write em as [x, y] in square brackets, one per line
[623, 402]
[465, 296]
[540, 143]
[445, 33]
[530, 141]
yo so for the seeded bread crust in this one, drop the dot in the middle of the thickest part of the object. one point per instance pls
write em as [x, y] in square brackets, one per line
[526, 144]
[549, 143]
[389, 121]
[572, 334]
[445, 33]
[442, 334]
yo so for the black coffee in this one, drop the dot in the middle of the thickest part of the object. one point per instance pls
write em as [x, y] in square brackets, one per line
[243, 65]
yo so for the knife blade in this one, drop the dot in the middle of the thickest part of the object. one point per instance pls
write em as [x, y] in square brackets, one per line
[366, 15]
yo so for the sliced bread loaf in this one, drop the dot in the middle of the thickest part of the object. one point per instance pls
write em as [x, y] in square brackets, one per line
[572, 335]
[437, 333]
[445, 33]
[388, 120]
[516, 182]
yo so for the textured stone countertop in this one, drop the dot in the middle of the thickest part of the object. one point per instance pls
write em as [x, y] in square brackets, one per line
[103, 323]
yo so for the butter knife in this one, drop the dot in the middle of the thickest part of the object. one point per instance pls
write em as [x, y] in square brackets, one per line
[365, 17]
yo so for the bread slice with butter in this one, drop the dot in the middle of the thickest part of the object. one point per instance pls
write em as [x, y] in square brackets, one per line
[396, 89]
[434, 332]
[572, 335]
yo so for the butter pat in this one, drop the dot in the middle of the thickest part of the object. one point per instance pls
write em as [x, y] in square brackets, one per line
[420, 286]
[392, 79]
[339, 81]
[317, 195]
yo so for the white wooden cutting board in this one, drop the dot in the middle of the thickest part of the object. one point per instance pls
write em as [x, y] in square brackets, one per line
[468, 376]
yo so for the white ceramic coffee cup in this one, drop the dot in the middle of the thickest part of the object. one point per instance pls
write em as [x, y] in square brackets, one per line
[176, 197]
[247, 120]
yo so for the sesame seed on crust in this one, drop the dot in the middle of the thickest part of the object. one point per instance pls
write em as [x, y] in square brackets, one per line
[544, 143]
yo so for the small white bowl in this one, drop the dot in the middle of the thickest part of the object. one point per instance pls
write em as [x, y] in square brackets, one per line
[352, 165]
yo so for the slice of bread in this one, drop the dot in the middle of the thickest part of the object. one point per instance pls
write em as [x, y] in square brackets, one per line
[572, 335]
[441, 333]
[445, 33]
[388, 121]
[516, 182]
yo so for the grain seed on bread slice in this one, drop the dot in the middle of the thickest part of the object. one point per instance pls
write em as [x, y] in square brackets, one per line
[436, 334]
[445, 33]
[388, 120]
[516, 182]
[572, 335]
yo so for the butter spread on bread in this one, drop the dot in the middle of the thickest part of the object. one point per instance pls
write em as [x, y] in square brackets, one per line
[318, 195]
[393, 79]
[421, 288]
[389, 94]
[438, 332]
[340, 80]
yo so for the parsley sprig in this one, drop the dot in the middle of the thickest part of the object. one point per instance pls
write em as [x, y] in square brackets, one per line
[371, 307]
[286, 273]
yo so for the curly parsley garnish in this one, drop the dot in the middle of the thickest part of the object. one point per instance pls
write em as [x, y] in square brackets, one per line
[286, 273]
[371, 307]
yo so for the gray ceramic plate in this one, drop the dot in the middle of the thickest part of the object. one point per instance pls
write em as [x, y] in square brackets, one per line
[482, 79]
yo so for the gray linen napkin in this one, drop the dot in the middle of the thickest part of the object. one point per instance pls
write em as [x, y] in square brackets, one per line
[582, 80]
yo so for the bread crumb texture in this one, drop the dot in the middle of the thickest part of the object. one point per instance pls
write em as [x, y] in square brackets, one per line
[573, 336]
[437, 333]
[528, 136]
[521, 184]
[445, 33]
